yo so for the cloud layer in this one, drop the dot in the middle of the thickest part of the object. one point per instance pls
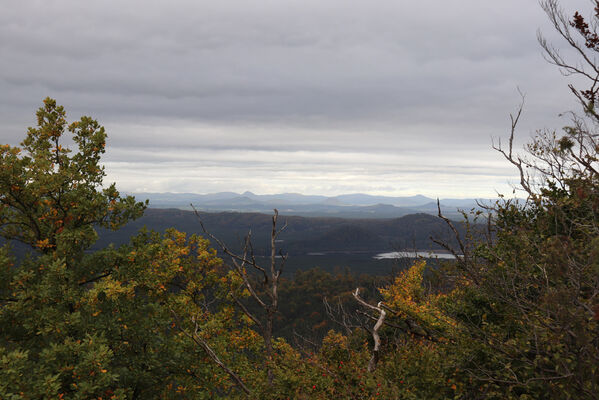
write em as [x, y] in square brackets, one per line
[321, 97]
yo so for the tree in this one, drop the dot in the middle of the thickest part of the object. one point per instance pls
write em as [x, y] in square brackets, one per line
[51, 200]
[527, 314]
[265, 294]
[81, 324]
[519, 315]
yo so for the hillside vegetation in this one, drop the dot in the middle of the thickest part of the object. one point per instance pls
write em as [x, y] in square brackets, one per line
[302, 235]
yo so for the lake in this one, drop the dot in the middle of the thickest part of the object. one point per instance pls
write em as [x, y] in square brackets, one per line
[414, 254]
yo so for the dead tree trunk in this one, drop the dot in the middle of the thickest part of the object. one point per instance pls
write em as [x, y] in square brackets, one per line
[375, 330]
[270, 281]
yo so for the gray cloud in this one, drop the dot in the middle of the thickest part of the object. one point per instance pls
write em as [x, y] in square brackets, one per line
[326, 97]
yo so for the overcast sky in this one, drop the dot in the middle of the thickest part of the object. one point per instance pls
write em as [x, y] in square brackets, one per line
[313, 96]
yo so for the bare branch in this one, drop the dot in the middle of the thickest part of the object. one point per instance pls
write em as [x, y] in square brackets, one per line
[375, 330]
[340, 316]
[196, 338]
[270, 281]
[509, 155]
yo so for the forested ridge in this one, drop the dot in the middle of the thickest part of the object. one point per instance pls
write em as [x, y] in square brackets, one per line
[302, 235]
[514, 316]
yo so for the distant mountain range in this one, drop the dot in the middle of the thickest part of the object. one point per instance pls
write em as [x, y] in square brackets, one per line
[356, 205]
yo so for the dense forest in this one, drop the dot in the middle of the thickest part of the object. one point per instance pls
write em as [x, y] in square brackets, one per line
[515, 315]
[303, 235]
[327, 243]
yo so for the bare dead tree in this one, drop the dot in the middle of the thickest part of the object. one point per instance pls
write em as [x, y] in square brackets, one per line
[375, 330]
[270, 276]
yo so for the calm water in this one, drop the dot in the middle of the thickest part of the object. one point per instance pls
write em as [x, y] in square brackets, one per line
[415, 254]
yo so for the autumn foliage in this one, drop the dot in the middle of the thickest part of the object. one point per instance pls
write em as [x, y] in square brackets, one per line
[514, 316]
